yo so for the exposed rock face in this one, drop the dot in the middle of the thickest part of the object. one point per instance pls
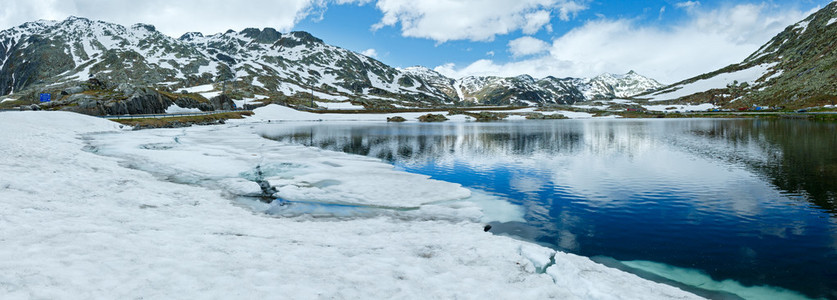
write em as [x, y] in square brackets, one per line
[143, 101]
[95, 99]
[186, 102]
[222, 102]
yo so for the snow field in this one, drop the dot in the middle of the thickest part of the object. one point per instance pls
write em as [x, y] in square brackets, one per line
[199, 88]
[78, 225]
[338, 105]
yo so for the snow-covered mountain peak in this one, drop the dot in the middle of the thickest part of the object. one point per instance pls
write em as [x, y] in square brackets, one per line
[190, 36]
[609, 85]
[525, 78]
[421, 70]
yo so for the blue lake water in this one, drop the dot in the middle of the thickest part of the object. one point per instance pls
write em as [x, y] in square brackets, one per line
[754, 201]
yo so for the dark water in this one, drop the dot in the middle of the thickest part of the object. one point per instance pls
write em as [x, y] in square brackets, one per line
[754, 201]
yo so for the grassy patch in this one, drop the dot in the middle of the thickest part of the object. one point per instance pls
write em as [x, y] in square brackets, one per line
[193, 96]
[16, 103]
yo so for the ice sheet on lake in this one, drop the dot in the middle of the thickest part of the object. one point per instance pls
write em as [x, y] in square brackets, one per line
[82, 224]
[297, 173]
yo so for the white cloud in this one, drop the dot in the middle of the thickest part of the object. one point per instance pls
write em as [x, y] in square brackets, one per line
[170, 17]
[708, 40]
[688, 5]
[475, 20]
[527, 45]
[370, 52]
[570, 9]
[535, 21]
[489, 53]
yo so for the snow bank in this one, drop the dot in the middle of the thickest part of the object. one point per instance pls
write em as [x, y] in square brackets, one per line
[175, 109]
[81, 225]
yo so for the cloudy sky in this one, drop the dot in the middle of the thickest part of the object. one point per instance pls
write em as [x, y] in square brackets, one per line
[668, 40]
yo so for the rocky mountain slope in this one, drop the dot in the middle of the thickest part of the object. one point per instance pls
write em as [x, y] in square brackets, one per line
[97, 67]
[797, 68]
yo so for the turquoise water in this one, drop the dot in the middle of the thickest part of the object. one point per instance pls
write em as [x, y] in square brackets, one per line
[722, 204]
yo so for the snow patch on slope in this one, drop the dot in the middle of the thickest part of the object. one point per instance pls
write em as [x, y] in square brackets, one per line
[717, 82]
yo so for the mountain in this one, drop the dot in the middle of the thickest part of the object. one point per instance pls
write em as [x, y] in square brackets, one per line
[44, 53]
[525, 90]
[618, 86]
[103, 68]
[797, 68]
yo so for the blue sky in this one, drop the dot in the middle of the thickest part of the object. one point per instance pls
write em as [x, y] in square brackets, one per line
[668, 40]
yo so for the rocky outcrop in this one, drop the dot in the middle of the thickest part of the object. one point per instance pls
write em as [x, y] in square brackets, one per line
[143, 101]
[222, 102]
[432, 118]
[186, 102]
[95, 98]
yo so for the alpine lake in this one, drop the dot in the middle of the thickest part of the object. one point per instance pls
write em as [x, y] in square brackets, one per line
[746, 207]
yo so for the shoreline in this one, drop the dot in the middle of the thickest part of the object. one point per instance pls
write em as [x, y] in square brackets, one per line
[515, 113]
